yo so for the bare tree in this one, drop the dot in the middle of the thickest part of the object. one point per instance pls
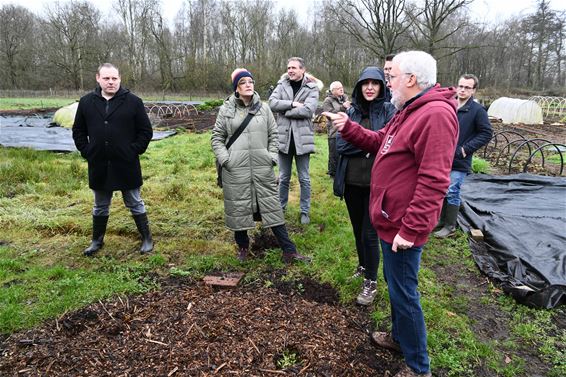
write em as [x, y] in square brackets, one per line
[136, 20]
[70, 32]
[431, 22]
[162, 37]
[16, 43]
[376, 24]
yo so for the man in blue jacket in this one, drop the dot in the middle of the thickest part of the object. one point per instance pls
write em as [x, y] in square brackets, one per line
[475, 132]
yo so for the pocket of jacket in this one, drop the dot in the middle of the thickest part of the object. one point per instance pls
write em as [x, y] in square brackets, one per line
[385, 207]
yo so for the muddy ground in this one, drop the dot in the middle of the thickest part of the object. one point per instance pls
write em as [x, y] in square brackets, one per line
[271, 326]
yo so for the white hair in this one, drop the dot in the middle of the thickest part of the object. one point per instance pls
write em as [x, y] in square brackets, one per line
[335, 84]
[420, 64]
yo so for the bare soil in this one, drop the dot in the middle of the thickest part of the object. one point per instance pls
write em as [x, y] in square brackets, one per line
[272, 326]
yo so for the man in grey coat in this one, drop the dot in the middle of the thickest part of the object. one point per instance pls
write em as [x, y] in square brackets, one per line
[294, 100]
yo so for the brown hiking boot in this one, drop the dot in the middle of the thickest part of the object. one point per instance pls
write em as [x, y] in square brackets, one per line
[385, 340]
[289, 258]
[406, 371]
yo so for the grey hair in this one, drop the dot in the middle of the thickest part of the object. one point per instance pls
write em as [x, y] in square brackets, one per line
[301, 61]
[334, 85]
[420, 64]
[107, 65]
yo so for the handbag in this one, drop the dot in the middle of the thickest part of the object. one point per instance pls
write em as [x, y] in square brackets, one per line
[253, 110]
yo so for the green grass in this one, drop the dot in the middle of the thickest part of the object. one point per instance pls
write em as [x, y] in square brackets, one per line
[34, 103]
[56, 102]
[45, 220]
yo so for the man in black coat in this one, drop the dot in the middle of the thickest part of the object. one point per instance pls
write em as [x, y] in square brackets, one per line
[111, 130]
[474, 132]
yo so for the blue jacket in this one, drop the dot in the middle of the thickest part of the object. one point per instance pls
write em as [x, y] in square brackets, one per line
[475, 132]
[380, 112]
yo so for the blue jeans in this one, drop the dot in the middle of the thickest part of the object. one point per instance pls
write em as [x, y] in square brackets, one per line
[401, 273]
[456, 181]
[132, 200]
[285, 165]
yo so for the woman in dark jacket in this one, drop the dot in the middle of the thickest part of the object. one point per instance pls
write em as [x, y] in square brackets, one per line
[352, 181]
[248, 180]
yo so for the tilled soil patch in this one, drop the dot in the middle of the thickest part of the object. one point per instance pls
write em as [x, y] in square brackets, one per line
[190, 329]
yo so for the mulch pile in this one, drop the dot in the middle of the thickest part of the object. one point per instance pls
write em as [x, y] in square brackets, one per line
[190, 329]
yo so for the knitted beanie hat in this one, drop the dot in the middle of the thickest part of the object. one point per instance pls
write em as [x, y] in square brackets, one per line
[238, 74]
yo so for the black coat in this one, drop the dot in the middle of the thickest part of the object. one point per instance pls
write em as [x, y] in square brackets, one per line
[475, 132]
[111, 135]
[379, 113]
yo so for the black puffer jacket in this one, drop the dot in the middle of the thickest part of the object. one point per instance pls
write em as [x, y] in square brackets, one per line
[111, 135]
[379, 113]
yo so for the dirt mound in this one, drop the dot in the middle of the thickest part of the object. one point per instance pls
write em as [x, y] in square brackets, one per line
[188, 328]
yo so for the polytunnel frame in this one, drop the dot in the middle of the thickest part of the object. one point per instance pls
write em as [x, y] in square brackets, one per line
[494, 139]
[556, 146]
[171, 111]
[549, 104]
[528, 142]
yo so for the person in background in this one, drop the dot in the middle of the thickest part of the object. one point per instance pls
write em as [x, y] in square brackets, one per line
[352, 181]
[111, 130]
[295, 99]
[386, 69]
[475, 132]
[248, 179]
[410, 175]
[334, 102]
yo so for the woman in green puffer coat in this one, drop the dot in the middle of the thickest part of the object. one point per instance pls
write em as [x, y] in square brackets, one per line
[248, 180]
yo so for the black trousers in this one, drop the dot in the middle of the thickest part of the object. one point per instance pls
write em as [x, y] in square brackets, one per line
[367, 241]
[332, 156]
[280, 233]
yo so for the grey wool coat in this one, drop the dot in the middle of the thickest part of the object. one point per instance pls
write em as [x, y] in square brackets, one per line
[296, 120]
[248, 179]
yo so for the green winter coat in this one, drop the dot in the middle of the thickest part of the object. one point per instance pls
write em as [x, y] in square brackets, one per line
[248, 179]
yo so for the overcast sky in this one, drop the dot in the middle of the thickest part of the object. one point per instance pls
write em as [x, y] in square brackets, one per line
[488, 10]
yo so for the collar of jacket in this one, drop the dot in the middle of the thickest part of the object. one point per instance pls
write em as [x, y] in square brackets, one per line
[308, 80]
[466, 107]
[120, 92]
[435, 93]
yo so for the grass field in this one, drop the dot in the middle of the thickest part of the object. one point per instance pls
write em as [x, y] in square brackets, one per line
[45, 223]
[29, 103]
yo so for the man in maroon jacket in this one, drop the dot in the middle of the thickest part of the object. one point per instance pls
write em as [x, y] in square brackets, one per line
[409, 179]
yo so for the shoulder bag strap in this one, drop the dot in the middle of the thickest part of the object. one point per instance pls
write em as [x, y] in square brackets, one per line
[244, 124]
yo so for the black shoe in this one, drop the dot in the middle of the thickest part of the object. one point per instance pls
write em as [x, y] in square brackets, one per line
[289, 258]
[243, 253]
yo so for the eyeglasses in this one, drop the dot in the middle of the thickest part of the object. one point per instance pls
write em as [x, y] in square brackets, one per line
[390, 77]
[246, 82]
[465, 87]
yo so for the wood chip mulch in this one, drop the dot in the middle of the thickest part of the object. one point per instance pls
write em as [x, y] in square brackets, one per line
[191, 329]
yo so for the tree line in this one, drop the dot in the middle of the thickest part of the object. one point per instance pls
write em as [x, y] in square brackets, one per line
[62, 47]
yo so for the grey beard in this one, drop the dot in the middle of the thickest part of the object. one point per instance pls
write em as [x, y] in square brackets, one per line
[398, 103]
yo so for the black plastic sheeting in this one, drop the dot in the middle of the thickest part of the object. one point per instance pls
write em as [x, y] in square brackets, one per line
[523, 220]
[35, 132]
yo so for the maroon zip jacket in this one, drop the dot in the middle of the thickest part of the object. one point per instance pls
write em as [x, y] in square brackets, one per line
[411, 172]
